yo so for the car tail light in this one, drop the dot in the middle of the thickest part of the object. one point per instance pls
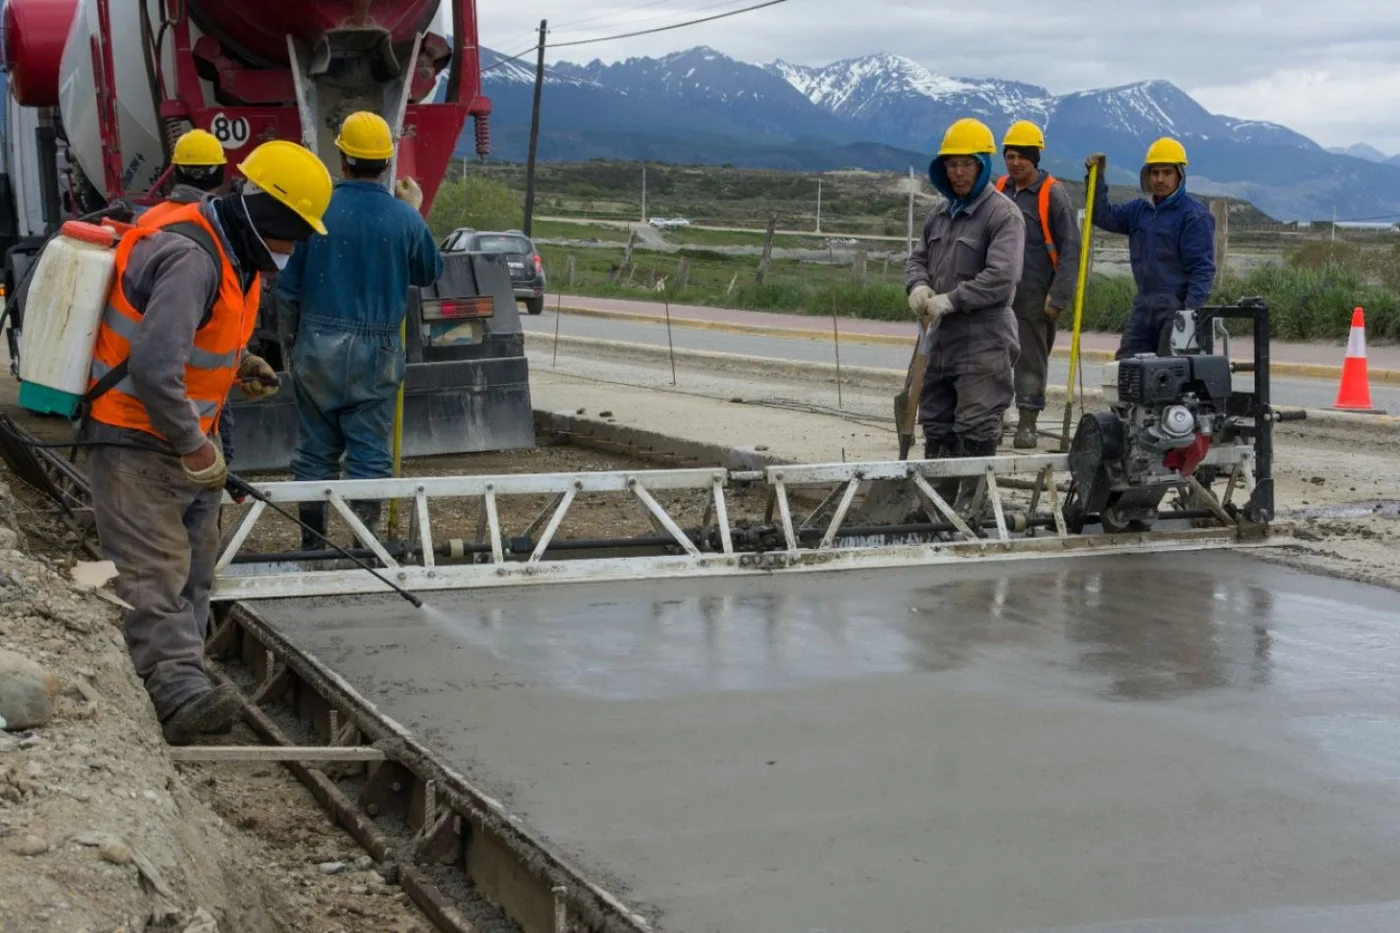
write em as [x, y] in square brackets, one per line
[458, 308]
[538, 265]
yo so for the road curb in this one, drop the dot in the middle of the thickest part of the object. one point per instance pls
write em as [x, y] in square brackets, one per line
[892, 380]
[1316, 371]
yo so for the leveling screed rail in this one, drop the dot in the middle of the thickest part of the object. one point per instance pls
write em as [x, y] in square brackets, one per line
[778, 540]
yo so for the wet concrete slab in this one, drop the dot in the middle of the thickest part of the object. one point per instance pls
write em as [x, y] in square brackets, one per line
[1187, 743]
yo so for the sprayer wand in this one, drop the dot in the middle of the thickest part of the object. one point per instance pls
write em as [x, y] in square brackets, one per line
[239, 485]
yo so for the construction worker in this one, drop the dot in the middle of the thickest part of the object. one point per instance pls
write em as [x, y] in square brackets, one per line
[960, 277]
[343, 299]
[196, 170]
[1048, 272]
[1171, 245]
[170, 348]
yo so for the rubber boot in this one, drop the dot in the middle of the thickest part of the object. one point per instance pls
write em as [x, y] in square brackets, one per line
[313, 515]
[368, 511]
[1026, 438]
[967, 490]
[943, 449]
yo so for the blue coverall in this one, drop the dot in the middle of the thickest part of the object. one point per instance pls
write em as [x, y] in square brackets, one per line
[1171, 246]
[349, 290]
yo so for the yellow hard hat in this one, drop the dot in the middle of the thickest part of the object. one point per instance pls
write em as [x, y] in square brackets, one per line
[198, 147]
[366, 135]
[1165, 151]
[1024, 133]
[293, 175]
[968, 137]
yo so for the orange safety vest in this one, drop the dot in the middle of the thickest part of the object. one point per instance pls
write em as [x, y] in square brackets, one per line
[218, 343]
[1045, 186]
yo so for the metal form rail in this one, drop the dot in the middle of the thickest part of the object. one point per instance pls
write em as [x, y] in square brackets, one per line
[780, 540]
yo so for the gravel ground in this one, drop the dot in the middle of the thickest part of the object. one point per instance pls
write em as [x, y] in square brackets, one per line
[100, 832]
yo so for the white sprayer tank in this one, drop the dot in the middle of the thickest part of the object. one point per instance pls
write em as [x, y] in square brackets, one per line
[142, 154]
[67, 298]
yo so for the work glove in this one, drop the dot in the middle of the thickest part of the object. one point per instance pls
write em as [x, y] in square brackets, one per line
[256, 379]
[938, 306]
[1098, 159]
[212, 476]
[408, 191]
[919, 299]
[1052, 312]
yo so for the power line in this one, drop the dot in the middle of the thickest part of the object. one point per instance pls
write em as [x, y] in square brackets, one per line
[593, 19]
[651, 18]
[647, 32]
[506, 61]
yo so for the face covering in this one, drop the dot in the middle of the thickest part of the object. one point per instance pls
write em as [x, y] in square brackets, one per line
[265, 259]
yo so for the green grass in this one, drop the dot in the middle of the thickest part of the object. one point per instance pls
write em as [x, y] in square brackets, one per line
[1307, 304]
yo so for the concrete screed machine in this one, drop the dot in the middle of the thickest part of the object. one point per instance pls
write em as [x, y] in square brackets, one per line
[1181, 460]
[99, 91]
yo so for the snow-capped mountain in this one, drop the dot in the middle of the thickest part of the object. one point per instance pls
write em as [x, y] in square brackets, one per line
[716, 83]
[887, 111]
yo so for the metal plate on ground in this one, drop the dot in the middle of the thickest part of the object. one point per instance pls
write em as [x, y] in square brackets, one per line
[1170, 742]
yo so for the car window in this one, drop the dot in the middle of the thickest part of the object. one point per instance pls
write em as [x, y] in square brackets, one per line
[501, 243]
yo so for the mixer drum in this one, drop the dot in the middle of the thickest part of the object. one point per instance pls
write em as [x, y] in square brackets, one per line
[256, 30]
[143, 156]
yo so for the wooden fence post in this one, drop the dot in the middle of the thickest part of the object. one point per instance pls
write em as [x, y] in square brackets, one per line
[767, 248]
[1220, 209]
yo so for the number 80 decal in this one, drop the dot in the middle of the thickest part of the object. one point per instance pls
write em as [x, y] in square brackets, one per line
[231, 132]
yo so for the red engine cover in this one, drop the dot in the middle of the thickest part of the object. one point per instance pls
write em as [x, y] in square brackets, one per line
[257, 30]
[35, 33]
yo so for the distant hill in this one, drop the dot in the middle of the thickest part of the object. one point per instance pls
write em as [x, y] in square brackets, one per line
[887, 112]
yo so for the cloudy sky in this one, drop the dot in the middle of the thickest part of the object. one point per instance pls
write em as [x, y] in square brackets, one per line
[1329, 69]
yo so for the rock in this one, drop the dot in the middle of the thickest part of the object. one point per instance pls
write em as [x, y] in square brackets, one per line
[30, 845]
[24, 702]
[364, 863]
[331, 868]
[115, 851]
[359, 890]
[605, 414]
[201, 922]
[8, 538]
[14, 663]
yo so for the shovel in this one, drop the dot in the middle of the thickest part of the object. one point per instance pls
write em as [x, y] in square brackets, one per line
[906, 403]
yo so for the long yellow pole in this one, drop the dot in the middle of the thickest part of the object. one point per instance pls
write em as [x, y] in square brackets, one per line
[398, 437]
[1085, 251]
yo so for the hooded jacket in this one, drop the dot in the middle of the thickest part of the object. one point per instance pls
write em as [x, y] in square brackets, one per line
[1171, 246]
[971, 249]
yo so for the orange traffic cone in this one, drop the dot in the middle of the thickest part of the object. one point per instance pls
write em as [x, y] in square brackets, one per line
[1354, 394]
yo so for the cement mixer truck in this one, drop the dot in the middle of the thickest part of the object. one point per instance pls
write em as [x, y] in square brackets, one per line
[99, 90]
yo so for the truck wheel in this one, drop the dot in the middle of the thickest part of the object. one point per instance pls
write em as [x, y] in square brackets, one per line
[535, 305]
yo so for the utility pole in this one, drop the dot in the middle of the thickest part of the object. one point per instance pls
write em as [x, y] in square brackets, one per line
[819, 205]
[910, 234]
[644, 193]
[534, 133]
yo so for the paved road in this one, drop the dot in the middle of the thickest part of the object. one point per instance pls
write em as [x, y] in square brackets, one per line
[1299, 392]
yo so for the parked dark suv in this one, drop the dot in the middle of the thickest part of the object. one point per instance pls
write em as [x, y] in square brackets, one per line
[519, 253]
